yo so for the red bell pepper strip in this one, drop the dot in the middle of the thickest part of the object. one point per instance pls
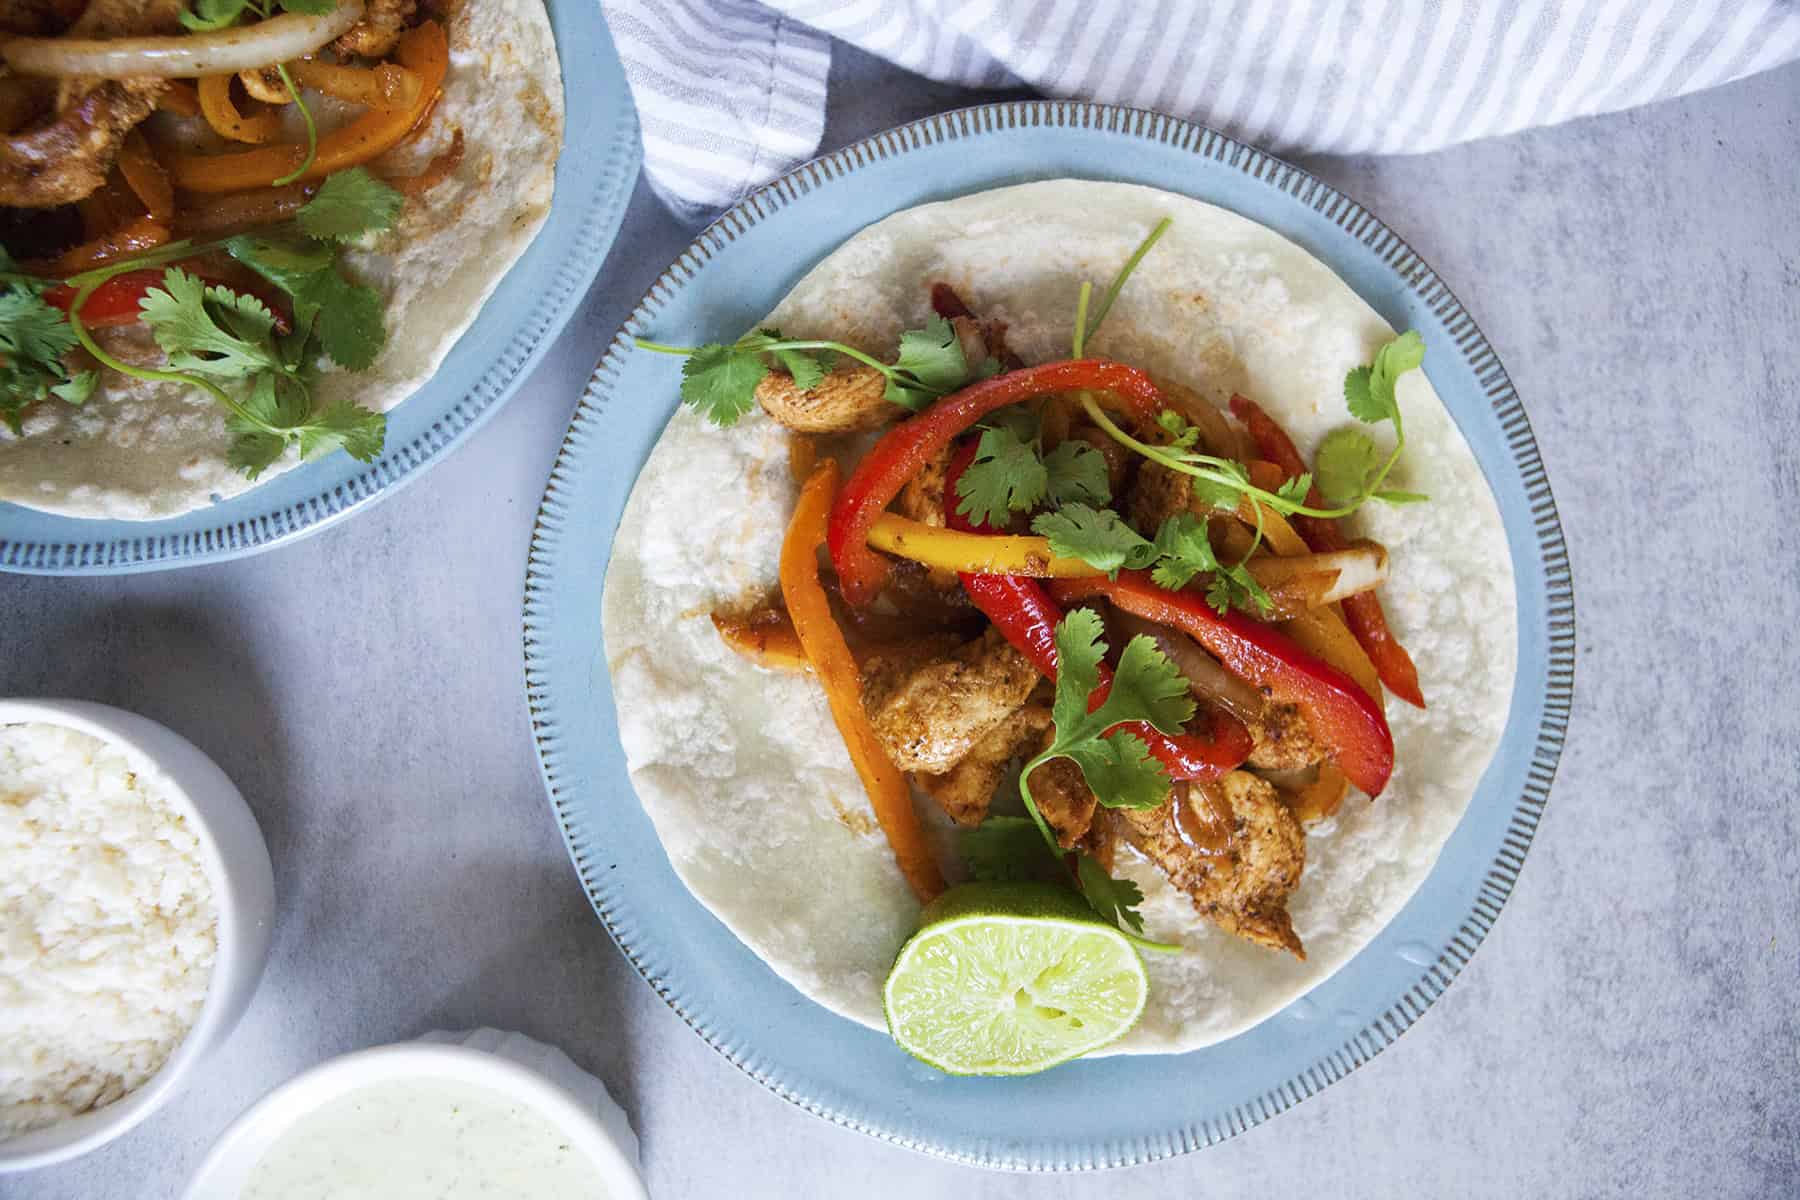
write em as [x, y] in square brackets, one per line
[1027, 617]
[1340, 714]
[1362, 612]
[908, 446]
[115, 302]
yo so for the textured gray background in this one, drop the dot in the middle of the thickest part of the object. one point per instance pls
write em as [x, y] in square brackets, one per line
[1630, 1027]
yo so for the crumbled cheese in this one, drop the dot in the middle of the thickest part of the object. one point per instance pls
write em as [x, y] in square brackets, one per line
[107, 925]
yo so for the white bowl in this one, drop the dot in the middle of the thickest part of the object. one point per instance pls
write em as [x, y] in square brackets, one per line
[529, 1072]
[237, 863]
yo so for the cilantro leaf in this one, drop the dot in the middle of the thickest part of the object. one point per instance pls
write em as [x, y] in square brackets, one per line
[1146, 687]
[1345, 463]
[1097, 536]
[209, 330]
[1120, 768]
[934, 356]
[1223, 496]
[77, 389]
[213, 14]
[1295, 489]
[34, 336]
[1116, 900]
[1077, 474]
[348, 321]
[1176, 426]
[344, 426]
[1005, 848]
[31, 328]
[349, 203]
[1396, 496]
[255, 451]
[1359, 397]
[720, 382]
[807, 370]
[311, 8]
[1183, 550]
[1006, 475]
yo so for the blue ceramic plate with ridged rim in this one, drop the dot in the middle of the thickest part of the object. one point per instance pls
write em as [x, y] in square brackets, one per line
[1089, 1113]
[515, 327]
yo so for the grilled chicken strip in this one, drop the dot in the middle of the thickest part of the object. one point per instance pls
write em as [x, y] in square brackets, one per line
[929, 717]
[1283, 740]
[965, 790]
[1238, 864]
[1064, 799]
[848, 400]
[376, 33]
[66, 155]
[922, 497]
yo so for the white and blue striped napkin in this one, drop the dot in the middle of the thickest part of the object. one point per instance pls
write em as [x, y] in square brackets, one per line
[732, 92]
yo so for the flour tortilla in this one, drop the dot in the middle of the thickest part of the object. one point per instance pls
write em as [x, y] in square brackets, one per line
[138, 451]
[741, 769]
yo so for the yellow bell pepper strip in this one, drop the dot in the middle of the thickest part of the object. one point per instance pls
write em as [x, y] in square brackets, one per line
[221, 112]
[889, 793]
[973, 553]
[423, 50]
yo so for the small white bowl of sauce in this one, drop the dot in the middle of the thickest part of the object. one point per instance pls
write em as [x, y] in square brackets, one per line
[447, 1117]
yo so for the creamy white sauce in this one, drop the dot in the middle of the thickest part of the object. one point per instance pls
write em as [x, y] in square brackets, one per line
[424, 1139]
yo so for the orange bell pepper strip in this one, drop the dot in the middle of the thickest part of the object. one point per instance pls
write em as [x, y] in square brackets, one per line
[889, 793]
[1362, 612]
[146, 177]
[1322, 797]
[178, 97]
[423, 50]
[135, 237]
[221, 112]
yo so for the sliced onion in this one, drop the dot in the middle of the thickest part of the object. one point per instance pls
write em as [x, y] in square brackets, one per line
[1336, 573]
[187, 56]
[1206, 677]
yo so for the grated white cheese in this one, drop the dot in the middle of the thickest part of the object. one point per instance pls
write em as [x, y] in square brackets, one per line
[108, 925]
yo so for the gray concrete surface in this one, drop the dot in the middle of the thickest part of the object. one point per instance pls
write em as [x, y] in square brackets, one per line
[1629, 1029]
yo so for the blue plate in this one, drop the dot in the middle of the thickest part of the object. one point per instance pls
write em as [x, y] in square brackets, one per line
[534, 301]
[1086, 1114]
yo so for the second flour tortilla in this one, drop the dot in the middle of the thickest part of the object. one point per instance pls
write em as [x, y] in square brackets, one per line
[741, 769]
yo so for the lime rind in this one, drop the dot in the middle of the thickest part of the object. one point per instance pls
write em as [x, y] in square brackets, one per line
[1004, 983]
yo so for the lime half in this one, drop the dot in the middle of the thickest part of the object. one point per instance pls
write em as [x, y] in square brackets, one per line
[1010, 979]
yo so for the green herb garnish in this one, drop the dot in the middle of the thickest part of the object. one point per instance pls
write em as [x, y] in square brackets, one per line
[719, 381]
[215, 335]
[1011, 473]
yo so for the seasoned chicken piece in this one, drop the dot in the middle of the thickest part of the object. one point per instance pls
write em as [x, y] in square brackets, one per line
[1238, 865]
[928, 718]
[1063, 797]
[1156, 495]
[966, 790]
[376, 33]
[847, 400]
[1284, 741]
[922, 499]
[65, 156]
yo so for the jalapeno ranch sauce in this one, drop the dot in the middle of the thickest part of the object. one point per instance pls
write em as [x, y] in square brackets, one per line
[423, 1139]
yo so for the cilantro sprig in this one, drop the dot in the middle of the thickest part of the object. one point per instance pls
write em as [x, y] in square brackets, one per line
[719, 380]
[1180, 551]
[1118, 767]
[35, 338]
[1011, 473]
[216, 336]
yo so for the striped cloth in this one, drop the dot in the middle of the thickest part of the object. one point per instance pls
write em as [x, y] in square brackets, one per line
[732, 92]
